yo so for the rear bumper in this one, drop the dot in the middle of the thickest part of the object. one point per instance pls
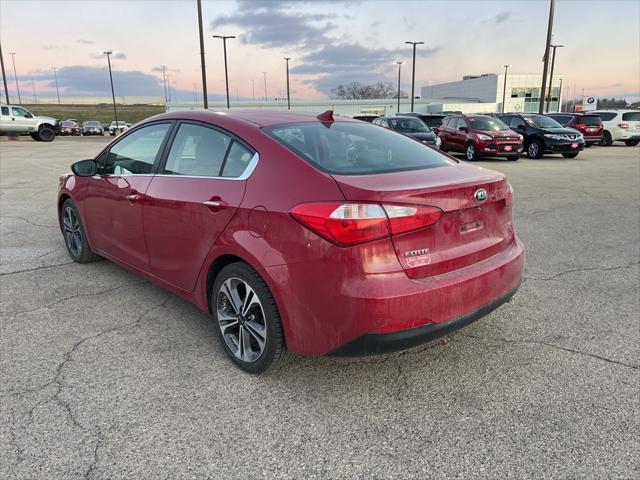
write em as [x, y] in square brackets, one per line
[629, 136]
[376, 343]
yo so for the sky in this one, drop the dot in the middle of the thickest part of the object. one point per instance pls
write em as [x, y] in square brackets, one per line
[331, 42]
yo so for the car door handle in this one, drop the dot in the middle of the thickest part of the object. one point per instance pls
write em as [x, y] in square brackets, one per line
[213, 203]
[133, 198]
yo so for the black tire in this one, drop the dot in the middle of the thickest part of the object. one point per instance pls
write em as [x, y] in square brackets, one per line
[74, 236]
[631, 143]
[588, 144]
[513, 158]
[534, 149]
[570, 155]
[46, 134]
[35, 136]
[607, 140]
[274, 353]
[470, 152]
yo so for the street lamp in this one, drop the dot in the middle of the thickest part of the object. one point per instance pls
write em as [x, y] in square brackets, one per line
[35, 98]
[224, 46]
[55, 75]
[13, 59]
[399, 63]
[504, 87]
[413, 68]
[552, 5]
[202, 65]
[253, 89]
[4, 76]
[169, 86]
[553, 62]
[113, 94]
[286, 59]
[164, 81]
[264, 74]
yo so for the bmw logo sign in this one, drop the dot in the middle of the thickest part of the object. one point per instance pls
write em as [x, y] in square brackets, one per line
[590, 100]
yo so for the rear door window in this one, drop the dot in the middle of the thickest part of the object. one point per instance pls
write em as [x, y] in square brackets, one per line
[197, 151]
[631, 116]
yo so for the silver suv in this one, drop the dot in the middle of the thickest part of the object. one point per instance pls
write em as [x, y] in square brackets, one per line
[17, 120]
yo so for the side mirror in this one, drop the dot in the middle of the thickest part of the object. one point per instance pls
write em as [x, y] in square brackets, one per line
[84, 168]
[463, 129]
[521, 127]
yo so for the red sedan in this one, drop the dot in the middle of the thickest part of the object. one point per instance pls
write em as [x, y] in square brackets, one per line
[298, 233]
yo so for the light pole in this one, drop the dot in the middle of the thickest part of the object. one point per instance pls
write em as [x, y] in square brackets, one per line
[35, 98]
[413, 70]
[55, 75]
[553, 62]
[164, 81]
[169, 86]
[560, 97]
[15, 74]
[552, 5]
[4, 77]
[224, 47]
[504, 87]
[399, 63]
[286, 59]
[253, 89]
[113, 94]
[202, 65]
[264, 74]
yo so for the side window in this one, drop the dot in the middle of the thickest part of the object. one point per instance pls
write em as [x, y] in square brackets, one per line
[461, 123]
[136, 153]
[5, 110]
[18, 112]
[237, 161]
[515, 121]
[607, 116]
[197, 151]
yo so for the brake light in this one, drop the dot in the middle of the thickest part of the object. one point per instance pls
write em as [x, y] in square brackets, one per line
[623, 125]
[348, 224]
[580, 126]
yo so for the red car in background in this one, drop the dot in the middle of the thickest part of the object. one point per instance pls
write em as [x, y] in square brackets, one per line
[588, 124]
[479, 136]
[298, 233]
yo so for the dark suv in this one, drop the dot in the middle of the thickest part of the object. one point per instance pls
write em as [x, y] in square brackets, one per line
[479, 136]
[411, 127]
[588, 124]
[433, 120]
[543, 134]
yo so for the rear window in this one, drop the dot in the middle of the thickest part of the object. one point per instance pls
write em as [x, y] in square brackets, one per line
[631, 116]
[606, 116]
[356, 149]
[68, 124]
[589, 120]
[432, 121]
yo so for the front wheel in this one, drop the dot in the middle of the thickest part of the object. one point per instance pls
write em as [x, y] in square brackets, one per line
[534, 150]
[471, 153]
[249, 325]
[74, 235]
[570, 155]
[632, 143]
[46, 134]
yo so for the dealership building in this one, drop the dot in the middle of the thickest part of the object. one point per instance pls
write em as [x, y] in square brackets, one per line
[522, 93]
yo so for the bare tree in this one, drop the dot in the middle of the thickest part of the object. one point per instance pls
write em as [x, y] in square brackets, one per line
[358, 91]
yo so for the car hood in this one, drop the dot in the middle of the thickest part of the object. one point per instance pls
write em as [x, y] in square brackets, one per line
[430, 136]
[562, 130]
[499, 133]
[47, 119]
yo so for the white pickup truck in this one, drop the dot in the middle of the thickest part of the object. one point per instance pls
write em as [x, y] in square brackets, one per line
[17, 120]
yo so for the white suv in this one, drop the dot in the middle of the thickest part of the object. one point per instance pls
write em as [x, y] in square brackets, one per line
[620, 126]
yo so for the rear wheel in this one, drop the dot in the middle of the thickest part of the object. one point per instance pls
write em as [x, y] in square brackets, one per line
[46, 134]
[249, 325]
[570, 155]
[471, 153]
[607, 140]
[534, 149]
[74, 235]
[632, 143]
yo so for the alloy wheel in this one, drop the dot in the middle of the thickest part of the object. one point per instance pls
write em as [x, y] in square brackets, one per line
[72, 232]
[533, 150]
[241, 319]
[471, 152]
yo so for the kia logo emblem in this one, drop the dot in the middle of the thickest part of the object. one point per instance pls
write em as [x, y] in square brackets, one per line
[480, 195]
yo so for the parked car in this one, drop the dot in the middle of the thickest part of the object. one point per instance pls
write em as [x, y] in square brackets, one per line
[433, 120]
[588, 124]
[92, 128]
[479, 136]
[17, 120]
[411, 127]
[120, 127]
[304, 234]
[543, 134]
[68, 127]
[620, 126]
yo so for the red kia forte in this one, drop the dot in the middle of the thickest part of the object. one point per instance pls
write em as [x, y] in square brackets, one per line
[299, 233]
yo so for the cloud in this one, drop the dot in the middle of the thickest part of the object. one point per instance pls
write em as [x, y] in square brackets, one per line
[84, 41]
[114, 55]
[499, 18]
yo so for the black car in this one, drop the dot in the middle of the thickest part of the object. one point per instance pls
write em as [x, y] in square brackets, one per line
[543, 134]
[433, 120]
[411, 127]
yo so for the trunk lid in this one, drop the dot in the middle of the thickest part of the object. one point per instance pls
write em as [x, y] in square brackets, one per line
[469, 230]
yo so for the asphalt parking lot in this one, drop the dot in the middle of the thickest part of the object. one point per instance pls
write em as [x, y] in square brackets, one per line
[104, 375]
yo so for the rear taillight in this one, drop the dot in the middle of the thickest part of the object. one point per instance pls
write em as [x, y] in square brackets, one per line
[508, 197]
[580, 126]
[623, 125]
[348, 224]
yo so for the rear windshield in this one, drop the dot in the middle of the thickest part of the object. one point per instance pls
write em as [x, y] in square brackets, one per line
[487, 124]
[356, 148]
[589, 120]
[67, 124]
[631, 116]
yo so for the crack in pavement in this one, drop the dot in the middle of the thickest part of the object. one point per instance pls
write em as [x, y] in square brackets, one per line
[58, 381]
[77, 295]
[29, 221]
[551, 345]
[583, 269]
[34, 269]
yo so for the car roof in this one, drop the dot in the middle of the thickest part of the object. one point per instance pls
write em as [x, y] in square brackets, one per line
[261, 118]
